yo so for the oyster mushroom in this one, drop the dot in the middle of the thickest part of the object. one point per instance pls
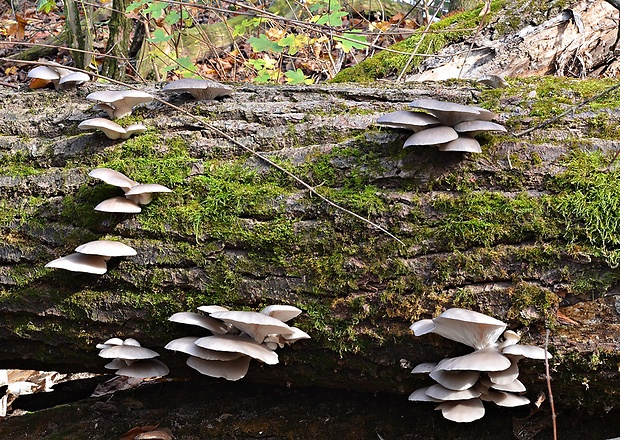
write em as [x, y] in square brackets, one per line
[94, 264]
[119, 103]
[110, 128]
[201, 89]
[257, 325]
[448, 113]
[414, 121]
[432, 136]
[230, 370]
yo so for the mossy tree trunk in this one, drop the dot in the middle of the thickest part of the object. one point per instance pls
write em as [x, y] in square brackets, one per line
[525, 231]
[119, 42]
[79, 33]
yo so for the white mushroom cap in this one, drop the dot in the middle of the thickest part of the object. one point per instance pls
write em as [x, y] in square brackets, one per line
[473, 128]
[510, 338]
[143, 193]
[106, 108]
[127, 352]
[113, 177]
[424, 367]
[73, 79]
[462, 411]
[282, 312]
[229, 370]
[203, 321]
[131, 341]
[486, 359]
[144, 368]
[202, 89]
[505, 399]
[118, 204]
[506, 376]
[442, 393]
[448, 113]
[110, 128]
[420, 395]
[414, 121]
[188, 345]
[455, 380]
[465, 326]
[485, 115]
[44, 72]
[212, 309]
[255, 324]
[432, 136]
[122, 101]
[80, 263]
[134, 129]
[516, 386]
[462, 143]
[115, 364]
[106, 248]
[297, 335]
[110, 342]
[239, 344]
[528, 351]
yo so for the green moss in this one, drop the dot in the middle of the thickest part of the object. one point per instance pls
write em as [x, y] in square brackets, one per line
[531, 303]
[448, 30]
[18, 164]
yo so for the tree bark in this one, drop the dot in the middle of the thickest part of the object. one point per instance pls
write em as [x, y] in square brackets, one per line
[118, 42]
[79, 34]
[480, 231]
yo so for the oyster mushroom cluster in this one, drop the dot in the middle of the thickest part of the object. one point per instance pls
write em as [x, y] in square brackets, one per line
[490, 373]
[449, 126]
[136, 194]
[130, 359]
[92, 257]
[237, 337]
[54, 73]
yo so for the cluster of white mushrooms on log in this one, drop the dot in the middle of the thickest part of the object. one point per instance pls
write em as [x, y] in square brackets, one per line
[92, 257]
[490, 373]
[449, 126]
[130, 359]
[237, 337]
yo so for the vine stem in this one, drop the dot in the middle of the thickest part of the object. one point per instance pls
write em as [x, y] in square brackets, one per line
[233, 141]
[548, 376]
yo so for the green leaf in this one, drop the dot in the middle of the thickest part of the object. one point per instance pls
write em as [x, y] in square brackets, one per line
[333, 19]
[264, 44]
[156, 9]
[262, 78]
[159, 36]
[353, 41]
[172, 17]
[46, 6]
[136, 5]
[297, 77]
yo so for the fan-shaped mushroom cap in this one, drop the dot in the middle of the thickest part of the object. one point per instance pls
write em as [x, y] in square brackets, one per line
[464, 326]
[528, 351]
[115, 364]
[414, 121]
[110, 342]
[448, 113]
[239, 344]
[462, 143]
[432, 136]
[475, 127]
[442, 393]
[144, 368]
[462, 411]
[118, 204]
[455, 380]
[202, 89]
[420, 395]
[505, 376]
[203, 321]
[122, 101]
[80, 263]
[212, 309]
[113, 177]
[73, 79]
[134, 129]
[108, 109]
[505, 399]
[282, 312]
[131, 341]
[424, 367]
[44, 72]
[485, 115]
[188, 345]
[514, 387]
[143, 193]
[255, 324]
[295, 336]
[127, 352]
[106, 248]
[229, 370]
[486, 359]
[510, 338]
[110, 128]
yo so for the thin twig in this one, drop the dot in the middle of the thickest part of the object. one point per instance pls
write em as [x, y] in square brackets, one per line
[570, 110]
[487, 8]
[236, 143]
[553, 415]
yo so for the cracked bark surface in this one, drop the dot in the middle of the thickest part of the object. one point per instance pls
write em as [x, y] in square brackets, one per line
[359, 289]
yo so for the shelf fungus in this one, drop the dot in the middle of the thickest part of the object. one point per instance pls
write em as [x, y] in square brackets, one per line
[201, 89]
[237, 338]
[136, 194]
[110, 128]
[489, 373]
[91, 257]
[130, 359]
[448, 126]
[117, 104]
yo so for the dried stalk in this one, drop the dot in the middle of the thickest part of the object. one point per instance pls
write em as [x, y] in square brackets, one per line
[553, 415]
